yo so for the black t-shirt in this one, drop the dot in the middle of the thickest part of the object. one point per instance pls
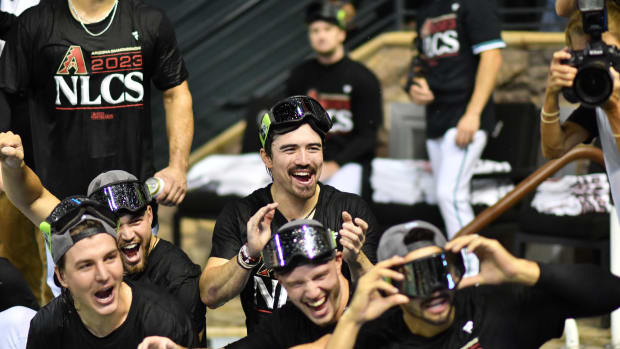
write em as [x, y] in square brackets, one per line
[351, 94]
[171, 269]
[286, 328]
[507, 316]
[58, 326]
[452, 34]
[89, 97]
[262, 293]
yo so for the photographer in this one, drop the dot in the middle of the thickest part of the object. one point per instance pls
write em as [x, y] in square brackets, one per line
[590, 119]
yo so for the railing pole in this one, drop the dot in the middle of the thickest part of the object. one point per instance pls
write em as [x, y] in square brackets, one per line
[529, 184]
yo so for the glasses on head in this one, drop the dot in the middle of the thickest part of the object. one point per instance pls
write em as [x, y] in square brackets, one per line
[131, 196]
[70, 212]
[292, 111]
[299, 239]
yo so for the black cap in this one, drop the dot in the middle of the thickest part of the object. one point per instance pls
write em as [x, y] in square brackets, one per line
[326, 11]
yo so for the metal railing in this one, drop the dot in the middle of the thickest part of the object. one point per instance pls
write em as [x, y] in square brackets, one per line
[528, 185]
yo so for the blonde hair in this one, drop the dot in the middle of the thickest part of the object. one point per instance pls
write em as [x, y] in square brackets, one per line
[575, 24]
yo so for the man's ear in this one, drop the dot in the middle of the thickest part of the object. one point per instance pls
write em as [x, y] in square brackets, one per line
[338, 259]
[60, 277]
[342, 36]
[148, 214]
[266, 159]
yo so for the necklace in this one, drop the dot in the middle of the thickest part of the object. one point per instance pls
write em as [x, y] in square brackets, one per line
[112, 10]
[311, 214]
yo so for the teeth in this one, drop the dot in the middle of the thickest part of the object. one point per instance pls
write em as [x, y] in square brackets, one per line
[317, 303]
[301, 173]
[129, 247]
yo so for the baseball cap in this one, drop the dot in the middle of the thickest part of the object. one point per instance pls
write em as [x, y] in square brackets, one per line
[120, 190]
[326, 11]
[395, 242]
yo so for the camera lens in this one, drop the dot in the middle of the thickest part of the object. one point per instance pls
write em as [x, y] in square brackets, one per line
[593, 83]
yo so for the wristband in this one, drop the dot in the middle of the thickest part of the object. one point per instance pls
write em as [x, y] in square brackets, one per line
[244, 259]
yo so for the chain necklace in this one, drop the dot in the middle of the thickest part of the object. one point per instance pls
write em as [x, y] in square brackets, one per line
[112, 10]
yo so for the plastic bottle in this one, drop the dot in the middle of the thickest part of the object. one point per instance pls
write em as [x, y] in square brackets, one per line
[156, 186]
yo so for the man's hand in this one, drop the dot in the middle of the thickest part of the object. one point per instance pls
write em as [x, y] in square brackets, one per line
[368, 304]
[11, 150]
[352, 236]
[175, 186]
[497, 265]
[467, 127]
[560, 75]
[259, 229]
[420, 92]
[328, 170]
[155, 342]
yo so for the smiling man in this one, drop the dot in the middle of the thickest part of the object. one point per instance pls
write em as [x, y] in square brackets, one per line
[292, 134]
[511, 303]
[302, 255]
[145, 257]
[96, 308]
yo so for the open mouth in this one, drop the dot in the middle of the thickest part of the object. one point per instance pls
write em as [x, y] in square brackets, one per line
[104, 296]
[436, 305]
[318, 305]
[131, 252]
[303, 176]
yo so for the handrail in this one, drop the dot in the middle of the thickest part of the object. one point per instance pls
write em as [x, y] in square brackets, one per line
[527, 185]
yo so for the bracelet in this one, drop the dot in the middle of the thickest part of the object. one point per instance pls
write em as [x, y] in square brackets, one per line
[553, 121]
[544, 113]
[616, 135]
[244, 259]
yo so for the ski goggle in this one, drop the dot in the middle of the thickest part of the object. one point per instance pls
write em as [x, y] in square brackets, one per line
[69, 213]
[298, 239]
[424, 276]
[292, 111]
[131, 196]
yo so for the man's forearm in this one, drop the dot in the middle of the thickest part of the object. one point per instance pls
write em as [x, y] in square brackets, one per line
[179, 125]
[25, 191]
[219, 284]
[488, 68]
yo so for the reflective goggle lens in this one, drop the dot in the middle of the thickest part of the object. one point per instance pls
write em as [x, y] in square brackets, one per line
[305, 241]
[132, 196]
[427, 275]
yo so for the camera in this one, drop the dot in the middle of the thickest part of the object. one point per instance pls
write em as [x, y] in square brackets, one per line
[593, 83]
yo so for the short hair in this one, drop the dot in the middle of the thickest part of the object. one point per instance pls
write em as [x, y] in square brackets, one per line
[284, 130]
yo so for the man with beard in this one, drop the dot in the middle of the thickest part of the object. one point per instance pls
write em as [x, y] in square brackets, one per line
[97, 309]
[349, 92]
[145, 257]
[511, 303]
[292, 134]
